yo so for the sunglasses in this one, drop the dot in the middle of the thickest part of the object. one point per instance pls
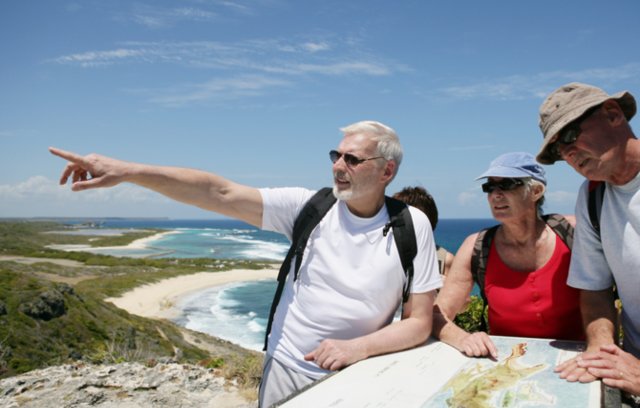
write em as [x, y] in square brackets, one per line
[506, 184]
[349, 159]
[569, 134]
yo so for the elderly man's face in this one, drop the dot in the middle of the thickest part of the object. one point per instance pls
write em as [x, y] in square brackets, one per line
[593, 150]
[353, 181]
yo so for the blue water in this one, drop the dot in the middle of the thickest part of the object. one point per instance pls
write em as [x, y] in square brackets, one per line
[238, 312]
[204, 239]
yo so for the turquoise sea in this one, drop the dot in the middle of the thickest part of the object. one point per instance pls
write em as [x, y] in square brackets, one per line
[238, 312]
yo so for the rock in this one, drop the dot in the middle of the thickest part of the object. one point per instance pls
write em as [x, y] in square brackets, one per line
[47, 306]
[131, 385]
[65, 289]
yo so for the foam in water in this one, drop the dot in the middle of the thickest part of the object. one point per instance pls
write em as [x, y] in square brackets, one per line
[234, 312]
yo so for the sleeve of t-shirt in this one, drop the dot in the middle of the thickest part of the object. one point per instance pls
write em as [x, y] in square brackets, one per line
[280, 207]
[426, 275]
[589, 269]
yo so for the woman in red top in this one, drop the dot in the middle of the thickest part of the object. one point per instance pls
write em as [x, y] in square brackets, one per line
[527, 267]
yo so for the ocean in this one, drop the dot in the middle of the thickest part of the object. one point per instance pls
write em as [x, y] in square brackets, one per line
[238, 312]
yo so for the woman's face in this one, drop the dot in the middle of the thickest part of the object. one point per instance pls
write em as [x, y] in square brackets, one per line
[507, 197]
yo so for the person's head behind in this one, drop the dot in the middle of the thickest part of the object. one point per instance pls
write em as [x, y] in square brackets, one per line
[420, 198]
[510, 171]
[388, 144]
[565, 108]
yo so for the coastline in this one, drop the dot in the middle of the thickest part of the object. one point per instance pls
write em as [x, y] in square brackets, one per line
[158, 300]
[142, 243]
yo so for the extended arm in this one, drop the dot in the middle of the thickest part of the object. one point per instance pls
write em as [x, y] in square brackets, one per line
[205, 190]
[412, 330]
[451, 299]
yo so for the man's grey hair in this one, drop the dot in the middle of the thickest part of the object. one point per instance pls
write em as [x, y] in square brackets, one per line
[529, 183]
[388, 143]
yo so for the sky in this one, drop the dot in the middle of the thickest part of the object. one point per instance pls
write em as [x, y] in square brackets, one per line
[257, 90]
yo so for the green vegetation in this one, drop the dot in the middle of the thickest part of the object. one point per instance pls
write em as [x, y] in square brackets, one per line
[51, 314]
[471, 319]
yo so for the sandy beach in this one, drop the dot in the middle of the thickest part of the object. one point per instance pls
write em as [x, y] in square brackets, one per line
[158, 300]
[142, 243]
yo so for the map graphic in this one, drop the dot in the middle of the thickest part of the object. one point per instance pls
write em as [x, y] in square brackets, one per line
[437, 375]
[524, 378]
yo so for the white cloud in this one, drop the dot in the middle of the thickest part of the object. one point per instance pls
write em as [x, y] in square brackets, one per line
[98, 58]
[159, 17]
[215, 89]
[316, 46]
[517, 87]
[257, 65]
[44, 190]
[288, 57]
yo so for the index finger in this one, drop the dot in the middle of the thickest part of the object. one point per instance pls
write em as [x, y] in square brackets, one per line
[72, 157]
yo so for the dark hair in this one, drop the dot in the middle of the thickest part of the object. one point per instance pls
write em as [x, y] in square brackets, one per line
[420, 198]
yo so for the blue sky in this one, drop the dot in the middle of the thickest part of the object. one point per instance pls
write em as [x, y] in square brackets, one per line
[256, 91]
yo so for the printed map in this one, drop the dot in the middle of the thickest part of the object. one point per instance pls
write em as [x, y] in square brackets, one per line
[437, 375]
[522, 377]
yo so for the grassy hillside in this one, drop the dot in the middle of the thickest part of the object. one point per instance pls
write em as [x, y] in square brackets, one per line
[51, 314]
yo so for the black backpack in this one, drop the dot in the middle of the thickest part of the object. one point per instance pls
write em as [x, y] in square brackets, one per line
[480, 254]
[311, 214]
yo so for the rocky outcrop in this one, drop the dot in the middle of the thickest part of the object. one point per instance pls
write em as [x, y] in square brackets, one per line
[48, 305]
[130, 385]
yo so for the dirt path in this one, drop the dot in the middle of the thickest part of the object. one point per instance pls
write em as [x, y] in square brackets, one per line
[28, 260]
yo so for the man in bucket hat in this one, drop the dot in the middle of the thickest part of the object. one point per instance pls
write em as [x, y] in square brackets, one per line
[589, 129]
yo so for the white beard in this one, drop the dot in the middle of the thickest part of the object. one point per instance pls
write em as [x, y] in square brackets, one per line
[343, 195]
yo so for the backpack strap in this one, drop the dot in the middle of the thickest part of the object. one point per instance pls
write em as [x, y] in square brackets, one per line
[305, 222]
[405, 238]
[595, 197]
[479, 259]
[560, 226]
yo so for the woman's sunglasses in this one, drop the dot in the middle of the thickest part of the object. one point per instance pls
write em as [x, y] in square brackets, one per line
[349, 159]
[506, 184]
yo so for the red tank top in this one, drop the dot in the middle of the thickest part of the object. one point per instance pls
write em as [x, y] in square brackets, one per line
[533, 304]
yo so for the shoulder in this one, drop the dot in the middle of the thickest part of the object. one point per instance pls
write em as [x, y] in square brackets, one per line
[275, 196]
[571, 219]
[468, 244]
[418, 217]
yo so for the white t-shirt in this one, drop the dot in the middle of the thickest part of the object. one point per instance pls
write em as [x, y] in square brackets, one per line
[350, 281]
[595, 264]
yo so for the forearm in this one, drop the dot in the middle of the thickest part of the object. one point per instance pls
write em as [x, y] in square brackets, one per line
[598, 317]
[205, 190]
[400, 335]
[446, 330]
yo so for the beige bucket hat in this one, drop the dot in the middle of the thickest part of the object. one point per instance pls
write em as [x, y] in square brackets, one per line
[568, 103]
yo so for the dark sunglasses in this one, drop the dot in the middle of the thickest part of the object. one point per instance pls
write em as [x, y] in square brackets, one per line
[569, 134]
[506, 184]
[349, 159]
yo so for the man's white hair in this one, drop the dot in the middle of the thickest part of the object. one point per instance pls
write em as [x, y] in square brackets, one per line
[388, 143]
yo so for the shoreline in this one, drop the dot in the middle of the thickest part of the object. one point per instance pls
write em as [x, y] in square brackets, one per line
[138, 244]
[158, 300]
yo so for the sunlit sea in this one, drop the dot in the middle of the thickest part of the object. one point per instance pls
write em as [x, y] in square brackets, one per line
[238, 312]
